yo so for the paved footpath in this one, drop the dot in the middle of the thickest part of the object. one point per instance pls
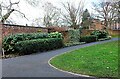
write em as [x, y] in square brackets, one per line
[36, 65]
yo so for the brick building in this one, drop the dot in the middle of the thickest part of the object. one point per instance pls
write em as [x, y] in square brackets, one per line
[96, 25]
[99, 25]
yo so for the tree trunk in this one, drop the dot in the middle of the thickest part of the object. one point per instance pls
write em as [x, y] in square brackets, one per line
[6, 16]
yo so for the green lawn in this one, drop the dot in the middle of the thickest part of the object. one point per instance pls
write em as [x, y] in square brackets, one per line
[98, 60]
[116, 36]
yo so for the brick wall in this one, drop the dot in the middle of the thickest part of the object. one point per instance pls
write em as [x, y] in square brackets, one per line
[65, 36]
[7, 29]
[86, 32]
[114, 32]
[14, 29]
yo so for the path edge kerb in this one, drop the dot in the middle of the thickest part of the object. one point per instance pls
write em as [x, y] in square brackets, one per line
[64, 70]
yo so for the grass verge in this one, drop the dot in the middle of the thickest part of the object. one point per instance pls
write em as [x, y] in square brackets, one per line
[116, 36]
[98, 60]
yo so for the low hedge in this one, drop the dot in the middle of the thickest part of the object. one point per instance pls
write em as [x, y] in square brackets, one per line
[31, 46]
[9, 41]
[88, 39]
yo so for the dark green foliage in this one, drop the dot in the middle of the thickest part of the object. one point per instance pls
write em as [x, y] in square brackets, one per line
[100, 34]
[88, 39]
[31, 46]
[9, 41]
[86, 19]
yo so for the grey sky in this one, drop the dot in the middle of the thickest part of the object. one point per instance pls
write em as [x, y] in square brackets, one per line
[37, 12]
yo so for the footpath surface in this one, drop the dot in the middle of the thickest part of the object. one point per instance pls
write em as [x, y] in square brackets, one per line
[36, 65]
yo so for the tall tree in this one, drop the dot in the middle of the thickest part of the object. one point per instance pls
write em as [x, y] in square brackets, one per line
[73, 14]
[86, 19]
[6, 9]
[118, 11]
[51, 15]
[37, 22]
[114, 14]
[107, 11]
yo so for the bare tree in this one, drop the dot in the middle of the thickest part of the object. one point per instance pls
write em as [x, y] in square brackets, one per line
[51, 15]
[37, 22]
[106, 11]
[73, 14]
[6, 9]
[114, 14]
[34, 3]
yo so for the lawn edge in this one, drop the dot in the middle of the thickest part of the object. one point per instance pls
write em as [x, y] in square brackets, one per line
[64, 70]
[69, 71]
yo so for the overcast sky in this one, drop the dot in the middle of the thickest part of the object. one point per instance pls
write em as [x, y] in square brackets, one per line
[37, 12]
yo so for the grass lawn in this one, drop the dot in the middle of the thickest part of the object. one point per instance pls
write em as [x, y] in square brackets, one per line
[116, 36]
[98, 60]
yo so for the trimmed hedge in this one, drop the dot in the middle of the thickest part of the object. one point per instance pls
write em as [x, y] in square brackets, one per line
[88, 39]
[31, 46]
[9, 41]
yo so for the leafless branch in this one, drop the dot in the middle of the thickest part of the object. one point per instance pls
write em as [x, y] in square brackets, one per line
[106, 11]
[52, 14]
[21, 14]
[9, 8]
[74, 14]
[11, 4]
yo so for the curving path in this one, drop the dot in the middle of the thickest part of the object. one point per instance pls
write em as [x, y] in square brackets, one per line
[36, 65]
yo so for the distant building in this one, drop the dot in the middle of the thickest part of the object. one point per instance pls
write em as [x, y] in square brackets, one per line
[115, 26]
[96, 25]
[99, 25]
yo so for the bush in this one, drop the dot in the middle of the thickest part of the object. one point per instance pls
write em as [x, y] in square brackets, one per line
[88, 39]
[9, 41]
[55, 35]
[74, 35]
[31, 46]
[107, 38]
[100, 34]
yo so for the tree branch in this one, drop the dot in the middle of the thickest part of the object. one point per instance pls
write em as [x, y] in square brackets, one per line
[21, 14]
